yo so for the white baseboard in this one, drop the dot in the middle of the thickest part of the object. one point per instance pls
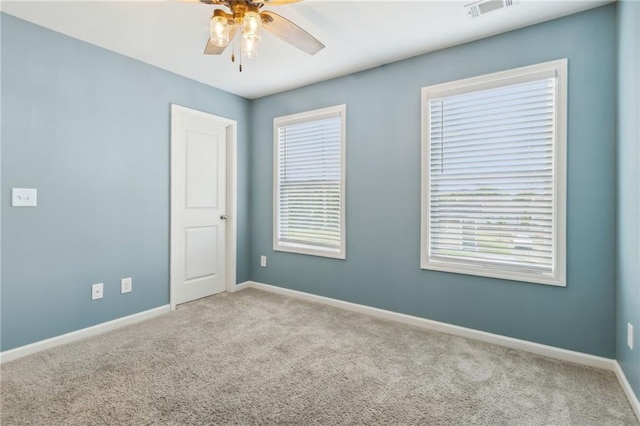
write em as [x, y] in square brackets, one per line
[94, 330]
[242, 286]
[631, 396]
[496, 339]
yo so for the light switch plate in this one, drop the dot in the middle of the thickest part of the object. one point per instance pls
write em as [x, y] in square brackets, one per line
[630, 335]
[24, 197]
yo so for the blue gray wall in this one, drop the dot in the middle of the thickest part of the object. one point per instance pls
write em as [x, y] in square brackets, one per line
[629, 188]
[383, 191]
[90, 129]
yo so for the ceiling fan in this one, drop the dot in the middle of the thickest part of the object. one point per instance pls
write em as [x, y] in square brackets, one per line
[245, 17]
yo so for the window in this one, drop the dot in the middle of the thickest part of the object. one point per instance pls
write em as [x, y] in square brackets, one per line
[493, 175]
[309, 179]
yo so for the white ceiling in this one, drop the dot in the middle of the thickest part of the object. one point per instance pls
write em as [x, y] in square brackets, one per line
[358, 35]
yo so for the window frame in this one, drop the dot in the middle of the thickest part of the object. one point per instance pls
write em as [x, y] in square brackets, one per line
[303, 117]
[484, 82]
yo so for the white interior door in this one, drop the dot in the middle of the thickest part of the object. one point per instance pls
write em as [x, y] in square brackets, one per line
[199, 205]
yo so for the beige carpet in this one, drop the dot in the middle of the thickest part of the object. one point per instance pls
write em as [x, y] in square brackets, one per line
[257, 358]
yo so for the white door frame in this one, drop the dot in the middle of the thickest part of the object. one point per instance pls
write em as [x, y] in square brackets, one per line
[232, 187]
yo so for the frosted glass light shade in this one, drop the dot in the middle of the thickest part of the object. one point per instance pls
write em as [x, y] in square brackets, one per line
[252, 24]
[219, 31]
[250, 46]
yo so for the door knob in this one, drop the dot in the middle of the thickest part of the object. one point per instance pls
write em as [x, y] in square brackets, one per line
[223, 217]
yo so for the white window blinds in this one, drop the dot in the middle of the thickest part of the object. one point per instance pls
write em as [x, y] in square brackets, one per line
[491, 176]
[309, 183]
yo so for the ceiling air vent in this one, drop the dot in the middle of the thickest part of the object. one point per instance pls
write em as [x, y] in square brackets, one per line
[478, 8]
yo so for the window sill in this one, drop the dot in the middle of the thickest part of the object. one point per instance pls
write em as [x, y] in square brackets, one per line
[310, 251]
[492, 272]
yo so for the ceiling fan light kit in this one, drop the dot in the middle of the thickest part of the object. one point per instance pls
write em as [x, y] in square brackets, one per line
[246, 17]
[219, 28]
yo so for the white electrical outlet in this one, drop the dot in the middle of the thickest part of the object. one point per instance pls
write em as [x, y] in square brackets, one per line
[126, 285]
[96, 291]
[24, 197]
[630, 335]
[263, 261]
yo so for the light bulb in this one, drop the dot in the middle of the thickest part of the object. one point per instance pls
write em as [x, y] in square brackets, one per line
[249, 46]
[219, 29]
[252, 23]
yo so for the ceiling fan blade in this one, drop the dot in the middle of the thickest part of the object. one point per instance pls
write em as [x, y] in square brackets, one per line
[286, 30]
[212, 49]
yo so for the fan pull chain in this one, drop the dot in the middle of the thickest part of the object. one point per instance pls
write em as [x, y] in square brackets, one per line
[233, 51]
